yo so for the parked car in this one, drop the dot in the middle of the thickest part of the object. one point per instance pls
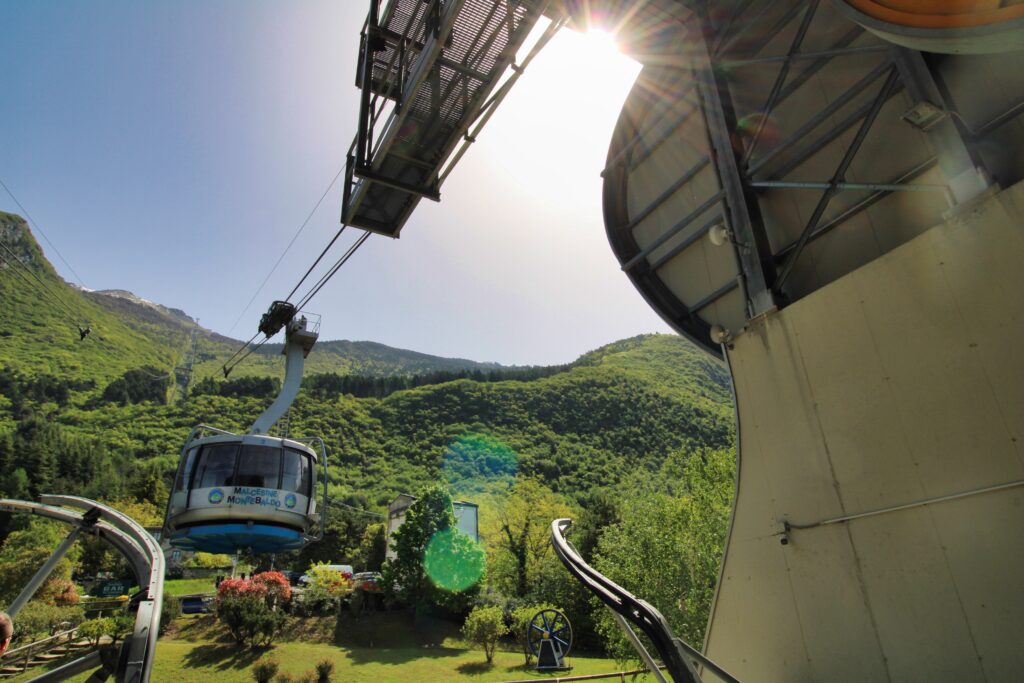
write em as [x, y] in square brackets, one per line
[367, 581]
[344, 569]
[293, 577]
[196, 604]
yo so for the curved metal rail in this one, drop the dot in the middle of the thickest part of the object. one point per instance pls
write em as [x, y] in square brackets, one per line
[143, 554]
[679, 657]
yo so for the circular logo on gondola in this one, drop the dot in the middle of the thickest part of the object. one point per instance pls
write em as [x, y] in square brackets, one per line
[216, 496]
[289, 500]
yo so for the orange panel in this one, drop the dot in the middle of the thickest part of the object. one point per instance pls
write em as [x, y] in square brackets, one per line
[949, 14]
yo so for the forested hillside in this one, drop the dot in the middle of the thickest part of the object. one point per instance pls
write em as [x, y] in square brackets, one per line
[638, 432]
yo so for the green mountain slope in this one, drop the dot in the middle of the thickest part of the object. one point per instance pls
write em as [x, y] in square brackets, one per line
[39, 331]
[617, 411]
[41, 314]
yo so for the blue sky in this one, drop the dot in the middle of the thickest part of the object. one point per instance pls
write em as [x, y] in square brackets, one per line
[173, 147]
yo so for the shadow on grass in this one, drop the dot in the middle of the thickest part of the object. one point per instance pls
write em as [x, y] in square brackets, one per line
[361, 655]
[474, 668]
[221, 656]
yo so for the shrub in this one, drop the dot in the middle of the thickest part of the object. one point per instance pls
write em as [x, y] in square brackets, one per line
[264, 669]
[169, 611]
[521, 619]
[38, 619]
[325, 589]
[249, 619]
[248, 608]
[208, 561]
[123, 625]
[275, 586]
[57, 591]
[483, 627]
[94, 629]
[324, 669]
[284, 677]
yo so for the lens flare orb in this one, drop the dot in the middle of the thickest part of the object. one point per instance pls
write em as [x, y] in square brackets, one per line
[453, 561]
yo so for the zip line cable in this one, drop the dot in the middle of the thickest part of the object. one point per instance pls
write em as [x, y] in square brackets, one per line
[17, 271]
[281, 257]
[35, 224]
[42, 288]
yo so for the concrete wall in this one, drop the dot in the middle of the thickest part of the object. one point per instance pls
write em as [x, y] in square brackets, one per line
[901, 381]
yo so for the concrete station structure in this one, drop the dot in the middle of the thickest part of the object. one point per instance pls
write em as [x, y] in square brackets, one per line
[828, 196]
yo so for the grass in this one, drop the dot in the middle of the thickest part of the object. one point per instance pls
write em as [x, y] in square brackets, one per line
[196, 651]
[189, 586]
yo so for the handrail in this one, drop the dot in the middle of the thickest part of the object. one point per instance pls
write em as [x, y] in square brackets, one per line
[674, 652]
[12, 654]
[621, 675]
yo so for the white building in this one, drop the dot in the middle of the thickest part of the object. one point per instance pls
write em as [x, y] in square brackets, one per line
[466, 518]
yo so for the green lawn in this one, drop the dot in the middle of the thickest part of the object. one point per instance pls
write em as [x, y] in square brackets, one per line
[196, 651]
[180, 661]
[188, 586]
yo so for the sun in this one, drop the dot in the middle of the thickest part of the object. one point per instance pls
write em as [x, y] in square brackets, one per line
[600, 43]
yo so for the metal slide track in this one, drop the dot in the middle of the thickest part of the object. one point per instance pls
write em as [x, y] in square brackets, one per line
[426, 70]
[679, 658]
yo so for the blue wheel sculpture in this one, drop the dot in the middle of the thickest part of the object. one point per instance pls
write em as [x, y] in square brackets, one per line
[550, 638]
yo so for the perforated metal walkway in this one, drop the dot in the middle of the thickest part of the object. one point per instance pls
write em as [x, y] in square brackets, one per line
[430, 70]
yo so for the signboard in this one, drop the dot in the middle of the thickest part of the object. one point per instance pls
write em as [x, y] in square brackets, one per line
[111, 588]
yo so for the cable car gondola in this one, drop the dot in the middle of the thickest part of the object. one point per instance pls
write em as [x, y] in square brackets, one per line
[251, 491]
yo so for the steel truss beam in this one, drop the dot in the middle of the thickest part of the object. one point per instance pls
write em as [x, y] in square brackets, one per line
[838, 177]
[756, 264]
[780, 79]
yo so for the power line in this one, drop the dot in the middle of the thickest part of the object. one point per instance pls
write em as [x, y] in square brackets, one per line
[281, 257]
[35, 224]
[331, 501]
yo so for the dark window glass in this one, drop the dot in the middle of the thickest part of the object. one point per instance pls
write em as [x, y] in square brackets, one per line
[186, 470]
[216, 465]
[296, 472]
[258, 466]
[305, 484]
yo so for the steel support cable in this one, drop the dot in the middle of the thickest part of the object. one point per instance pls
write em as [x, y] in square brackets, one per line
[316, 262]
[227, 370]
[34, 223]
[242, 348]
[42, 288]
[290, 243]
[334, 269]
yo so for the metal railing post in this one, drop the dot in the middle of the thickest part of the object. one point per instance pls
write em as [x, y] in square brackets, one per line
[43, 574]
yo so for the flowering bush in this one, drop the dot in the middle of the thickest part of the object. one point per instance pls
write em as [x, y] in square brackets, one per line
[249, 607]
[275, 584]
[325, 589]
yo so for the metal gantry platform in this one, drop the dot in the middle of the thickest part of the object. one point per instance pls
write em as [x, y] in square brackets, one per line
[429, 72]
